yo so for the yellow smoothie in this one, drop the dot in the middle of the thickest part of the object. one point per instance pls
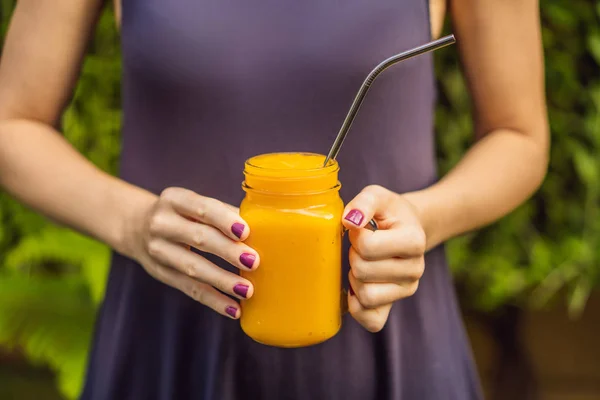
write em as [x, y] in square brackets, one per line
[293, 208]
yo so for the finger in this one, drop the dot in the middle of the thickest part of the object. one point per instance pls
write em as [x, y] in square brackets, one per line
[206, 238]
[394, 270]
[233, 208]
[374, 295]
[405, 241]
[208, 211]
[376, 202]
[199, 268]
[201, 292]
[371, 202]
[372, 320]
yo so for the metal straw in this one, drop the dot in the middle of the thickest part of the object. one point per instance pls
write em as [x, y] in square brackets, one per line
[360, 96]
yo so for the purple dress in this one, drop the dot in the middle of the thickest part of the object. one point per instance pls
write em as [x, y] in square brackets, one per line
[210, 83]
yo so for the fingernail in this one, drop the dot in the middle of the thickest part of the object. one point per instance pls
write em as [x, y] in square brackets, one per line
[232, 311]
[350, 290]
[355, 216]
[247, 260]
[241, 290]
[237, 229]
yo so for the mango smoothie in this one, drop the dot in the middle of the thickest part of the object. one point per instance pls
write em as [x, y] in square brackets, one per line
[293, 208]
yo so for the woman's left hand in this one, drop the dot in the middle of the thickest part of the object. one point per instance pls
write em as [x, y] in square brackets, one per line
[386, 265]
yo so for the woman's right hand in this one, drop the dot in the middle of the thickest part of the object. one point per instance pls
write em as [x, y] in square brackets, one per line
[179, 219]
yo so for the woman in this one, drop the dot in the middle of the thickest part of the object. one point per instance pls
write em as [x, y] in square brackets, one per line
[207, 85]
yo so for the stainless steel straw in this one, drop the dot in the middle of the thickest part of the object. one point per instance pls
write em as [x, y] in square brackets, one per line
[431, 46]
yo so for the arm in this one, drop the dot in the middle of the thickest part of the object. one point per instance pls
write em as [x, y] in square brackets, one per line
[501, 48]
[39, 66]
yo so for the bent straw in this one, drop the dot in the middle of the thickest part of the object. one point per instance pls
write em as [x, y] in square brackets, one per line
[360, 96]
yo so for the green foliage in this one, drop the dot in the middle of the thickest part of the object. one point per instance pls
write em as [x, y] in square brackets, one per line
[51, 279]
[63, 249]
[51, 319]
[551, 245]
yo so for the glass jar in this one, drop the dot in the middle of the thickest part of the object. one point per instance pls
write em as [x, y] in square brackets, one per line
[294, 212]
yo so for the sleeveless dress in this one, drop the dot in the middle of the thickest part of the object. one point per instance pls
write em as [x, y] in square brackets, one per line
[208, 84]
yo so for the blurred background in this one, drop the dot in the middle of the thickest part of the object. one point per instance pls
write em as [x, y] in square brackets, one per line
[528, 284]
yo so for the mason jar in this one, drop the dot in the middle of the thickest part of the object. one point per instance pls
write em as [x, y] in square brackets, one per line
[293, 208]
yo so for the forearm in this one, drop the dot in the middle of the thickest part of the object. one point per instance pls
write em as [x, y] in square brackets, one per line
[41, 169]
[498, 173]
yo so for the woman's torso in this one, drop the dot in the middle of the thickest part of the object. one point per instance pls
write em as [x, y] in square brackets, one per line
[208, 84]
[437, 12]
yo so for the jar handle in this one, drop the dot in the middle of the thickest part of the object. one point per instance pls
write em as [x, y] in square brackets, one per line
[372, 226]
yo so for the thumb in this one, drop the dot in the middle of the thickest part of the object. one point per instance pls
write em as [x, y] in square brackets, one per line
[368, 204]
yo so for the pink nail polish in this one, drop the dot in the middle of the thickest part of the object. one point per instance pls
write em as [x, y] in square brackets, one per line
[237, 229]
[241, 290]
[231, 311]
[355, 216]
[247, 260]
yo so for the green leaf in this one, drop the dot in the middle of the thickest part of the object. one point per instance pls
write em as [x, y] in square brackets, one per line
[579, 298]
[68, 249]
[594, 46]
[52, 320]
[586, 166]
[560, 15]
[550, 286]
